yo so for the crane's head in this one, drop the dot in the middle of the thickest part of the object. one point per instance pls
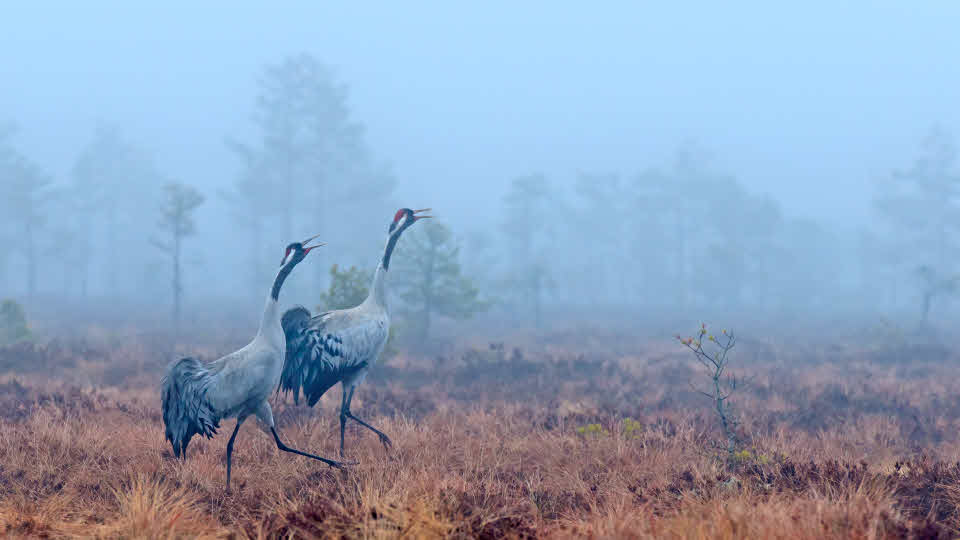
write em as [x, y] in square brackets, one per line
[298, 250]
[406, 217]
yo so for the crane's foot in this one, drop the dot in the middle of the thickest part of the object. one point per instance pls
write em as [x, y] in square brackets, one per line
[335, 464]
[387, 444]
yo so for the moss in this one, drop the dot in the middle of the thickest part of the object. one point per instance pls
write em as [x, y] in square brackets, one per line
[632, 429]
[592, 430]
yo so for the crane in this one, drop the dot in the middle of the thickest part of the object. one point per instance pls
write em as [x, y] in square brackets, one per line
[341, 346]
[197, 396]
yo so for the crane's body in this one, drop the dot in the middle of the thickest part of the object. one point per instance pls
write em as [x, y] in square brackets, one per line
[240, 382]
[342, 346]
[197, 396]
[339, 346]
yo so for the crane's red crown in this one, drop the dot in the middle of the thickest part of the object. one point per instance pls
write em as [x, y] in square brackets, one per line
[399, 214]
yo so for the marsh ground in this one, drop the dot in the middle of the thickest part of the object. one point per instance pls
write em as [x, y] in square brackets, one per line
[842, 439]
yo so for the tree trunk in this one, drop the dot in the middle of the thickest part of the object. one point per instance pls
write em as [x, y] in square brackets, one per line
[680, 278]
[722, 409]
[66, 278]
[942, 248]
[536, 299]
[84, 275]
[255, 258]
[31, 253]
[322, 275]
[111, 245]
[288, 199]
[428, 281]
[3, 271]
[177, 287]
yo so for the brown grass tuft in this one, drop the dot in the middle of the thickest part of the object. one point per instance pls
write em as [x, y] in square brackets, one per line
[499, 443]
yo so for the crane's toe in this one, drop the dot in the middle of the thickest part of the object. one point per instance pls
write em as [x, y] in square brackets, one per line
[386, 441]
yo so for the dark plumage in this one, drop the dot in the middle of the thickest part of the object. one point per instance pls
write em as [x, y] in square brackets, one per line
[315, 360]
[186, 410]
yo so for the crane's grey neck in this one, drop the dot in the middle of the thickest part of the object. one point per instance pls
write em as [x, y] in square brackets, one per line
[271, 315]
[378, 290]
[388, 250]
[281, 277]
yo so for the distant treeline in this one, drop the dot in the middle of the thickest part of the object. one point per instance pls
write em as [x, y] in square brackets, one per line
[678, 237]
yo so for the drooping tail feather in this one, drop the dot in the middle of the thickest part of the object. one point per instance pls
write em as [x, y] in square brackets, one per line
[295, 323]
[186, 411]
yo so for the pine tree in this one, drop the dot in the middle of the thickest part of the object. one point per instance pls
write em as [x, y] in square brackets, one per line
[429, 281]
[26, 194]
[310, 152]
[528, 230]
[603, 226]
[920, 208]
[111, 180]
[253, 204]
[176, 224]
[348, 288]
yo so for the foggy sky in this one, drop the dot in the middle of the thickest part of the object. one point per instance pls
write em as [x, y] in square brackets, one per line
[809, 103]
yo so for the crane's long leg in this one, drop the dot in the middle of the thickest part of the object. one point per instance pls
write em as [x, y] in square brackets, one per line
[286, 448]
[345, 413]
[230, 447]
[343, 417]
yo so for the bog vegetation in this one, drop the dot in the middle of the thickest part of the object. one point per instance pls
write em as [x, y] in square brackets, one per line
[544, 438]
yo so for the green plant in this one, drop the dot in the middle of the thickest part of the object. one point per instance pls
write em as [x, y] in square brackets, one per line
[745, 456]
[592, 430]
[13, 323]
[632, 429]
[348, 288]
[429, 279]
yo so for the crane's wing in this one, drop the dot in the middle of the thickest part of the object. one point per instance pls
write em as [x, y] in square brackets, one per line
[324, 350]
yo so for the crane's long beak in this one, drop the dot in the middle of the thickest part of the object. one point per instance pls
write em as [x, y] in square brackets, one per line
[307, 249]
[416, 217]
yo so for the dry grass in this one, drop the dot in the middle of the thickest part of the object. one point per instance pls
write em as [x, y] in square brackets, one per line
[844, 443]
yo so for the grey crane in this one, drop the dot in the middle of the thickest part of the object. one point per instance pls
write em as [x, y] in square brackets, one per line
[197, 396]
[341, 346]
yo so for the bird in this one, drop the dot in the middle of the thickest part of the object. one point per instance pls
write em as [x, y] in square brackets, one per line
[342, 346]
[195, 396]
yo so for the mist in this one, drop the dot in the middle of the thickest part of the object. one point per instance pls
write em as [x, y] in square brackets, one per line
[670, 163]
[479, 270]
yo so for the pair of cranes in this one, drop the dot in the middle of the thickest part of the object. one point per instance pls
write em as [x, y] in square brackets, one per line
[293, 352]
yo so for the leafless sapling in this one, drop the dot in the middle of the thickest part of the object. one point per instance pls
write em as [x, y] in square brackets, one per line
[715, 360]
